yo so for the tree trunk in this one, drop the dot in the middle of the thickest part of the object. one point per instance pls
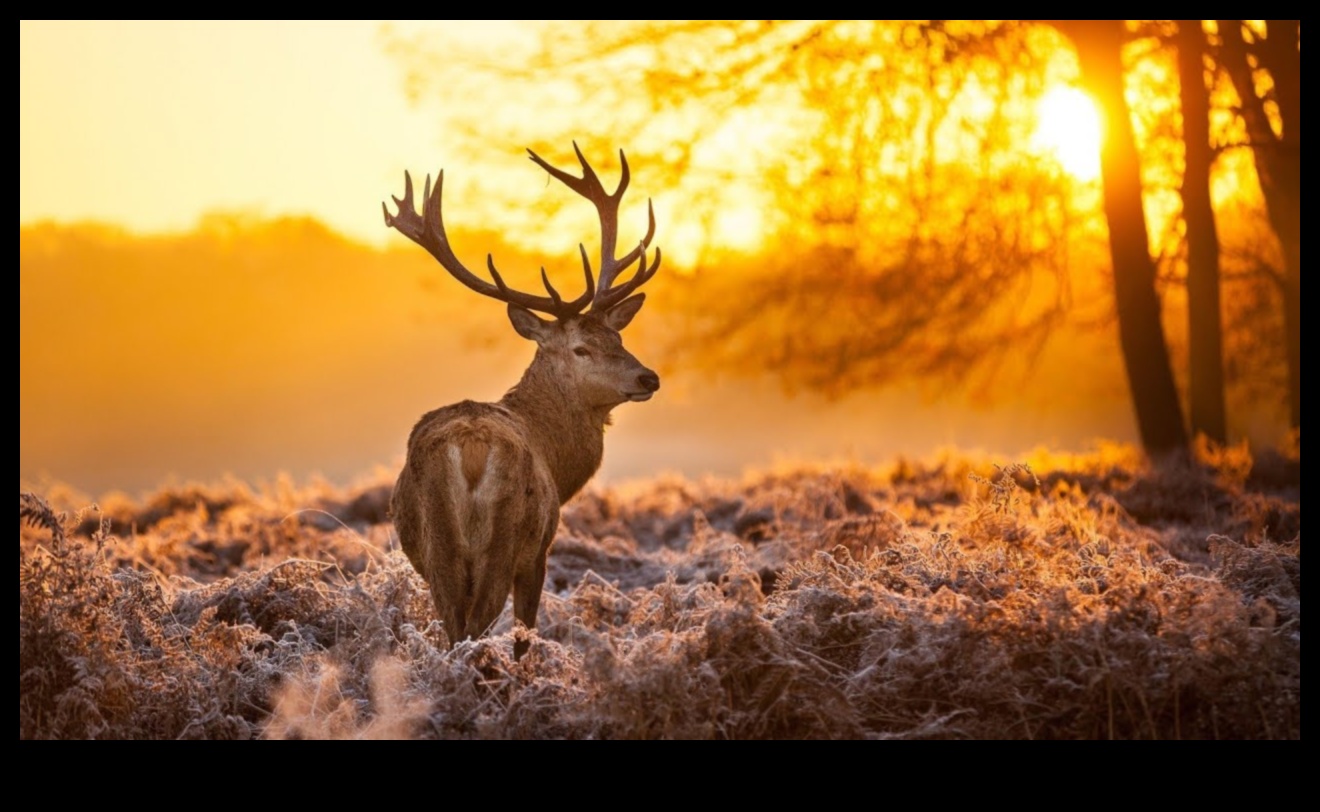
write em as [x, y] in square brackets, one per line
[1278, 163]
[1141, 334]
[1204, 333]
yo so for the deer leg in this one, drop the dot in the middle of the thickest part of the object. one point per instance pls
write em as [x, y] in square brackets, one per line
[489, 591]
[527, 585]
[451, 604]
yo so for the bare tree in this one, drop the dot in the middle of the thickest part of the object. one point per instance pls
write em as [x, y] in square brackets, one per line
[1204, 319]
[1266, 72]
[1099, 46]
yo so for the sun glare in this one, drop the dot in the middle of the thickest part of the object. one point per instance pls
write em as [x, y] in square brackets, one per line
[1068, 128]
[739, 228]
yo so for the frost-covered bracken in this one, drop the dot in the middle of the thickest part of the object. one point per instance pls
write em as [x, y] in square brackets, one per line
[1087, 596]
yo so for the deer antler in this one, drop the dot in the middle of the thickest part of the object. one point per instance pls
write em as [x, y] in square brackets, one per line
[607, 205]
[428, 231]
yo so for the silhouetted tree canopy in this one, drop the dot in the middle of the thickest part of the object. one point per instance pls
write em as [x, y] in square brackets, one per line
[909, 226]
[909, 230]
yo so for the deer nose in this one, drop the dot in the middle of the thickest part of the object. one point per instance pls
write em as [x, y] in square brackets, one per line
[650, 380]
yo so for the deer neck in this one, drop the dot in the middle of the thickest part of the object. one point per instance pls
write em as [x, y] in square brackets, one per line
[564, 432]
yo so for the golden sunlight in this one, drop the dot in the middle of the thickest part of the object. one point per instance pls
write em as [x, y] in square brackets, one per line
[739, 228]
[1068, 127]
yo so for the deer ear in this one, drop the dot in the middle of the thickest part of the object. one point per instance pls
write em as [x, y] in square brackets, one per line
[527, 323]
[621, 314]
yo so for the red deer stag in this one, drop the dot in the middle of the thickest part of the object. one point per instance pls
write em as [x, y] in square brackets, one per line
[477, 503]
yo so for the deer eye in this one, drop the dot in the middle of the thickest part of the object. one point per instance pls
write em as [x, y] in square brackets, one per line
[582, 352]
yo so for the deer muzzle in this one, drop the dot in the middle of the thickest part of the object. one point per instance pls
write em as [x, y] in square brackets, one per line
[648, 382]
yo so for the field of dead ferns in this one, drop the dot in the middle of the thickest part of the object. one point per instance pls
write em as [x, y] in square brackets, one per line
[1076, 597]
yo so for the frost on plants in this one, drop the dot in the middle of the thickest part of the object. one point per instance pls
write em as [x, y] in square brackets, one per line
[1082, 597]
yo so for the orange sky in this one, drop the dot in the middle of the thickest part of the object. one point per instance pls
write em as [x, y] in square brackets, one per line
[151, 124]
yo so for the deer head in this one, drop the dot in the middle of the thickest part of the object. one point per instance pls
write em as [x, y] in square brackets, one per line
[583, 348]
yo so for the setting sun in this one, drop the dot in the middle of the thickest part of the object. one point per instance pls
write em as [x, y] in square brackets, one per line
[1068, 127]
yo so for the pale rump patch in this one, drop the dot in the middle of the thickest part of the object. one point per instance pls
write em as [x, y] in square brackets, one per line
[470, 460]
[458, 495]
[475, 454]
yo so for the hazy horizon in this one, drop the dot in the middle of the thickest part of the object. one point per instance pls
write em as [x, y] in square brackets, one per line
[148, 359]
[934, 256]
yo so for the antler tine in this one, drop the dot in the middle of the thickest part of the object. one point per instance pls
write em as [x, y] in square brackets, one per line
[607, 207]
[407, 203]
[428, 231]
[554, 294]
[632, 255]
[589, 176]
[586, 269]
[611, 297]
[624, 174]
[589, 185]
